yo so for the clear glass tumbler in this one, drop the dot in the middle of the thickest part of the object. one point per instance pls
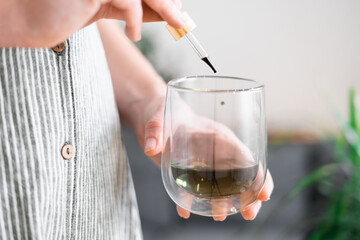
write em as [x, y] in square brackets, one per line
[214, 159]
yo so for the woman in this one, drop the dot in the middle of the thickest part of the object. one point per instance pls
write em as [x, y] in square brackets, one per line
[63, 168]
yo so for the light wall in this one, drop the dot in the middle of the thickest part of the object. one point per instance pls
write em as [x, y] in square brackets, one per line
[307, 53]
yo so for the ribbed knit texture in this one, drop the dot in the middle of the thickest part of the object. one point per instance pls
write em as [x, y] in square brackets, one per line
[48, 100]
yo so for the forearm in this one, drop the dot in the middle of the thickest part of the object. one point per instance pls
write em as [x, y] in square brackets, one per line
[135, 81]
[41, 23]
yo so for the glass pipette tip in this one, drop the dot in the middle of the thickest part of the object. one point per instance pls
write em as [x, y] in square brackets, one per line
[200, 51]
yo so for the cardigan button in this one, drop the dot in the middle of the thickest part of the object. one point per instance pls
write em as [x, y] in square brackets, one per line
[67, 151]
[59, 48]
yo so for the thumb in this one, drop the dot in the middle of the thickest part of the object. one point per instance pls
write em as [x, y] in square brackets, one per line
[154, 133]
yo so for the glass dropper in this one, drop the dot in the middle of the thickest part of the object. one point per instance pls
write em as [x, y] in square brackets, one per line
[178, 33]
[199, 49]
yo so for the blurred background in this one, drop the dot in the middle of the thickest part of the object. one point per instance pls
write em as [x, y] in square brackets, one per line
[307, 53]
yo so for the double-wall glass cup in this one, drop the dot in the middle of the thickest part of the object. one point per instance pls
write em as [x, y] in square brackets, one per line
[215, 143]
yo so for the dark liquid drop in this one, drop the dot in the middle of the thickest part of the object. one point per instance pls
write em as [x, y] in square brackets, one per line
[205, 59]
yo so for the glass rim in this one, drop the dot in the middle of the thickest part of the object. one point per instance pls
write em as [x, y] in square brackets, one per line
[172, 83]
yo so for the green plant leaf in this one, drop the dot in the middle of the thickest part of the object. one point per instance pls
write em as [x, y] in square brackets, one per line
[341, 220]
[349, 129]
[314, 177]
[353, 125]
[353, 111]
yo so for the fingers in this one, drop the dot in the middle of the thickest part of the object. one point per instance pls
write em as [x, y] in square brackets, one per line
[186, 200]
[182, 212]
[153, 137]
[267, 189]
[132, 13]
[149, 15]
[154, 133]
[154, 10]
[168, 11]
[250, 212]
[133, 18]
[220, 208]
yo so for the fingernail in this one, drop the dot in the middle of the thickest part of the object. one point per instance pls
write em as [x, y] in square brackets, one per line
[185, 215]
[150, 144]
[257, 209]
[182, 213]
[251, 215]
[179, 16]
[137, 37]
[220, 218]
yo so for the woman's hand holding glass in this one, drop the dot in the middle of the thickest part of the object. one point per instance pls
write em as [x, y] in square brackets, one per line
[205, 137]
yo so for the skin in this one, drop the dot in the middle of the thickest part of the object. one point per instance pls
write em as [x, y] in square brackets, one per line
[139, 91]
[140, 95]
[44, 23]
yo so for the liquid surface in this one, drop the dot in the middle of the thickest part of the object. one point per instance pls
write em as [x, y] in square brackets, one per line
[224, 181]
